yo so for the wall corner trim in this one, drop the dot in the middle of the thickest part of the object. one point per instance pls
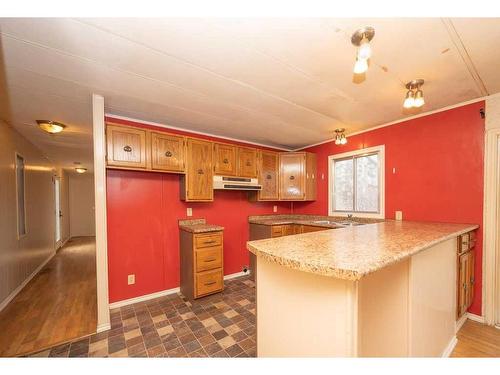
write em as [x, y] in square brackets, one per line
[449, 348]
[16, 291]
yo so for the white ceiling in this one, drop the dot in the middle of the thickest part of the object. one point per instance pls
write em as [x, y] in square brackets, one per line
[279, 82]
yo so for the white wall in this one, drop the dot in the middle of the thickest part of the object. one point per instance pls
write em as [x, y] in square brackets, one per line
[81, 205]
[19, 258]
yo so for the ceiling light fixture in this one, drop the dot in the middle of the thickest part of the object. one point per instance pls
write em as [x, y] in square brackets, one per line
[340, 138]
[80, 170]
[51, 127]
[414, 96]
[361, 39]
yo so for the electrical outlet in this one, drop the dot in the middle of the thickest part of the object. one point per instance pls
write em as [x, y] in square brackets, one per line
[275, 208]
[399, 215]
[189, 211]
[244, 269]
[131, 279]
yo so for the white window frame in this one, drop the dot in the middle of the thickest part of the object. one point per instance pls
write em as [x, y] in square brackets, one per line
[331, 178]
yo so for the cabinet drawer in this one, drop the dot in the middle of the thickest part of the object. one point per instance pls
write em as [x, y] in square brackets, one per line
[207, 240]
[209, 282]
[208, 258]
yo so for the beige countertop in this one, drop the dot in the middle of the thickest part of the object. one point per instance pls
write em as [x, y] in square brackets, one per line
[306, 220]
[198, 226]
[353, 252]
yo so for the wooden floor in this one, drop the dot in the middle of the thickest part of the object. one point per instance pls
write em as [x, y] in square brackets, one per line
[57, 306]
[477, 340]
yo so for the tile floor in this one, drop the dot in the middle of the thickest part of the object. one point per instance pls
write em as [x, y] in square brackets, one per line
[221, 325]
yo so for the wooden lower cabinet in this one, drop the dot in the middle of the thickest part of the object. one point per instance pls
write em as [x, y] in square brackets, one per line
[201, 256]
[465, 272]
[259, 232]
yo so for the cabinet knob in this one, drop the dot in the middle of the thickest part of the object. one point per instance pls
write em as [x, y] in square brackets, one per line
[225, 161]
[292, 177]
[269, 177]
[168, 154]
[200, 171]
[127, 149]
[248, 164]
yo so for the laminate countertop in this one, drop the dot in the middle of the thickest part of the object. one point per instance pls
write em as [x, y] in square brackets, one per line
[352, 252]
[312, 220]
[198, 226]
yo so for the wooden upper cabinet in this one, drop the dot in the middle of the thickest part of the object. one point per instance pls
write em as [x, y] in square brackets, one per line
[225, 159]
[297, 176]
[198, 182]
[168, 152]
[126, 147]
[247, 162]
[268, 167]
[292, 173]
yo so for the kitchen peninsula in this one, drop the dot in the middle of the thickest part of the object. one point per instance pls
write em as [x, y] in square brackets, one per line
[381, 289]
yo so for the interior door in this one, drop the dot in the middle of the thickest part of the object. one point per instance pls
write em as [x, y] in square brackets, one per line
[57, 211]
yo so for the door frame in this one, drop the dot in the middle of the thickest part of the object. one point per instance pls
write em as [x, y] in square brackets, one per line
[57, 243]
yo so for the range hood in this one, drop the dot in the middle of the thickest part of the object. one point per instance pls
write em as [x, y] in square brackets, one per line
[236, 183]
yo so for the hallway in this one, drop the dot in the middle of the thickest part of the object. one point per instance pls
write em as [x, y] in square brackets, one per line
[57, 306]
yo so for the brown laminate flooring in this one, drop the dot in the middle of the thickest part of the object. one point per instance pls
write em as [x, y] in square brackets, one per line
[477, 340]
[58, 305]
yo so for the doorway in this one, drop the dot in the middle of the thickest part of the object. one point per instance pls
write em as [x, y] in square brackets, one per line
[57, 211]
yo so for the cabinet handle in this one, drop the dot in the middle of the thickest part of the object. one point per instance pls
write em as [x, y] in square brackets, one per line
[210, 283]
[127, 149]
[210, 260]
[292, 177]
[248, 164]
[225, 161]
[472, 280]
[168, 154]
[211, 241]
[269, 177]
[200, 171]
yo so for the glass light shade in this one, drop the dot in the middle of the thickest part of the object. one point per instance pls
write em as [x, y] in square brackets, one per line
[419, 99]
[337, 139]
[343, 140]
[364, 50]
[80, 170]
[409, 100]
[51, 127]
[360, 66]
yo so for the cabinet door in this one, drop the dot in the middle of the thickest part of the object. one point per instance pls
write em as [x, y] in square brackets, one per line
[470, 279]
[465, 281]
[167, 152]
[126, 147]
[310, 177]
[288, 230]
[225, 159]
[247, 162]
[199, 170]
[268, 175]
[292, 176]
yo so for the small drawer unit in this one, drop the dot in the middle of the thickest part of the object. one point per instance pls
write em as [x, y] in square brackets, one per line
[202, 260]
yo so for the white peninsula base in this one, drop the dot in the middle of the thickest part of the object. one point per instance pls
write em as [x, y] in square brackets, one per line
[404, 310]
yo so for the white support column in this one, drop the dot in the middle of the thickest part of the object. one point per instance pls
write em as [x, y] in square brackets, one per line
[491, 261]
[103, 319]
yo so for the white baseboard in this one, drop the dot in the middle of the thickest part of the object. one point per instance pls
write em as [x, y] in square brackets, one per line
[476, 318]
[16, 291]
[449, 348]
[460, 322]
[162, 293]
[143, 298]
[103, 327]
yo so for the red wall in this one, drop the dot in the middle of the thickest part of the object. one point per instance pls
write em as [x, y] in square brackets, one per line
[143, 209]
[439, 171]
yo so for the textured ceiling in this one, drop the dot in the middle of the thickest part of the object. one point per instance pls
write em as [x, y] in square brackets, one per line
[279, 82]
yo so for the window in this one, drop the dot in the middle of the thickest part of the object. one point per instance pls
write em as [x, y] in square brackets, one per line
[21, 212]
[357, 183]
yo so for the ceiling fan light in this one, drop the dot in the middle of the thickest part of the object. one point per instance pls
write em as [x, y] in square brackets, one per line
[419, 99]
[364, 50]
[360, 66]
[409, 100]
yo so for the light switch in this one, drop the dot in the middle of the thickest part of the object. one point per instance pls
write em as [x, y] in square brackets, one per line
[131, 279]
[399, 215]
[275, 208]
[189, 211]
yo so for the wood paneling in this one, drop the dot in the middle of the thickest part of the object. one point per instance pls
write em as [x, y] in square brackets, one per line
[247, 162]
[268, 167]
[167, 152]
[58, 305]
[126, 147]
[199, 172]
[225, 159]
